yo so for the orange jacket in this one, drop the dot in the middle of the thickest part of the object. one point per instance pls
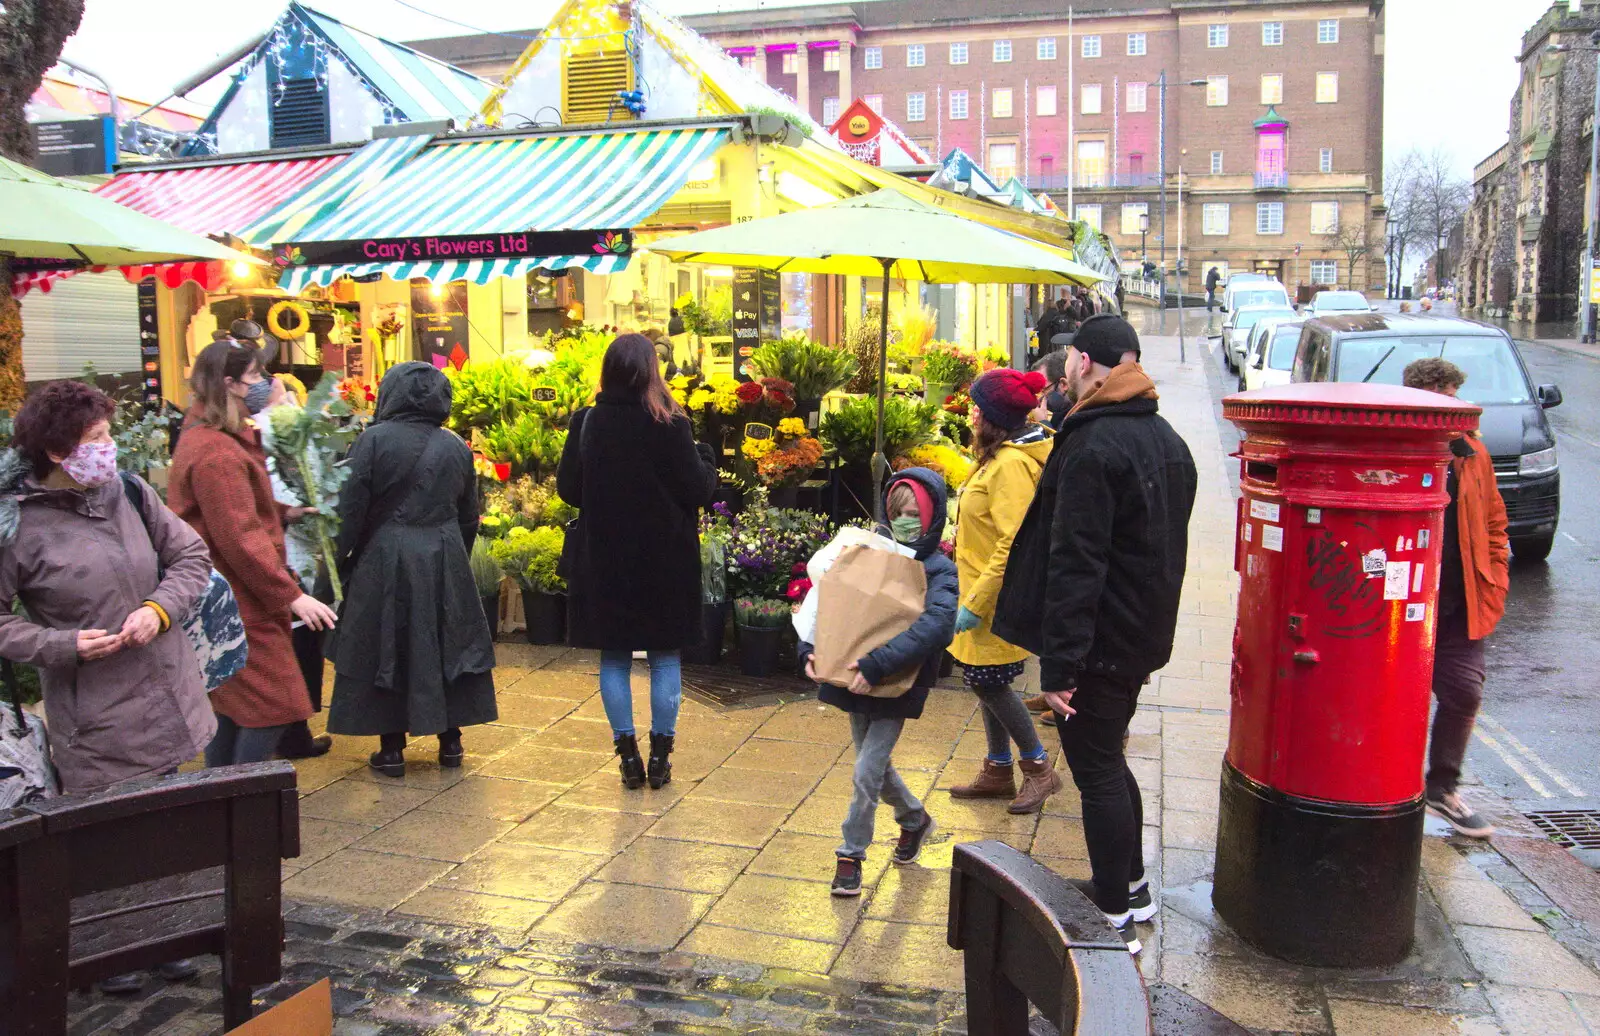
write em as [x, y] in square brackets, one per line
[1485, 547]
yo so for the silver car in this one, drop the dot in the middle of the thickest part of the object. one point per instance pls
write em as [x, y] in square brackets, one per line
[1324, 303]
[1236, 330]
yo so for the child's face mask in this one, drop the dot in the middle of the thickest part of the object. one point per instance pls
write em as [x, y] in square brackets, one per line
[906, 529]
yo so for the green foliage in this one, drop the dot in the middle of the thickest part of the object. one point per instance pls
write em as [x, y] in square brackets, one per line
[761, 612]
[531, 556]
[486, 575]
[813, 368]
[944, 364]
[528, 503]
[852, 428]
[307, 444]
[864, 341]
[484, 394]
[528, 443]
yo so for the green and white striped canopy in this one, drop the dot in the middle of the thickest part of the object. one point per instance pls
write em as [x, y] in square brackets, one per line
[478, 271]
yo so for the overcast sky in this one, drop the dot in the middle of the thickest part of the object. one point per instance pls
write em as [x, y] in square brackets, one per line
[1450, 63]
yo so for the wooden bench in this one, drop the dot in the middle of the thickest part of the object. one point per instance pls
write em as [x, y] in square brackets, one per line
[1029, 936]
[146, 872]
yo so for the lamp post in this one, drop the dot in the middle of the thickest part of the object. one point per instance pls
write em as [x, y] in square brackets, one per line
[1585, 267]
[1144, 228]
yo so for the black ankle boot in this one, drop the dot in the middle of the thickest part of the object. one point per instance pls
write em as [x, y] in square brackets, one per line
[631, 765]
[450, 751]
[390, 758]
[660, 765]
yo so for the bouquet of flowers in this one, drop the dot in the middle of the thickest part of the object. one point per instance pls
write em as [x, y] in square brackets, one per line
[954, 465]
[766, 401]
[767, 544]
[944, 363]
[307, 445]
[786, 458]
[355, 394]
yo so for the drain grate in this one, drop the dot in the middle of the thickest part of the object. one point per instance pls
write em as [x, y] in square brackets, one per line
[1570, 828]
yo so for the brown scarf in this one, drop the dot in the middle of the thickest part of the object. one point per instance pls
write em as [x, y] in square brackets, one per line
[1123, 382]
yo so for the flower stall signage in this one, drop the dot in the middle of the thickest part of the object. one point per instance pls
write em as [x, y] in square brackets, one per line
[441, 247]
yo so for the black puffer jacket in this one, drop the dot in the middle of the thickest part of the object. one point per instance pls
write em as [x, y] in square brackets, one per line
[927, 638]
[1097, 566]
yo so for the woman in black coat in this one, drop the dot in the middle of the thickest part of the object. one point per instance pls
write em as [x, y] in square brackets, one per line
[633, 470]
[412, 651]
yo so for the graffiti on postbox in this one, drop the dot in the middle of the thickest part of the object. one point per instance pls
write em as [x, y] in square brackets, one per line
[1337, 578]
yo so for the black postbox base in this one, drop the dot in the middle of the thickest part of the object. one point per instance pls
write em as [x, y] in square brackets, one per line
[1326, 884]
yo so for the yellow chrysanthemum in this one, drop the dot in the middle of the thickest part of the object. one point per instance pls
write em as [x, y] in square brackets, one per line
[792, 426]
[755, 449]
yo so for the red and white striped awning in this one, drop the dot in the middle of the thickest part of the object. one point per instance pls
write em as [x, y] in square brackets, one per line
[215, 199]
[209, 274]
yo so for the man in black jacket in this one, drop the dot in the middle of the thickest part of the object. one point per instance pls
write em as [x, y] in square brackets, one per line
[1092, 589]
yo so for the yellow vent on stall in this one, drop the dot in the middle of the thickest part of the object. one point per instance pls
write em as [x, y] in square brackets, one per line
[590, 84]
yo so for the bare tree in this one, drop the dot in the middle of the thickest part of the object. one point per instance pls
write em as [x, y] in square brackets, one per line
[1350, 237]
[1402, 231]
[1440, 196]
[31, 36]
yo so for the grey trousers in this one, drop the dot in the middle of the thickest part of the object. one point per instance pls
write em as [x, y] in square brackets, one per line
[876, 779]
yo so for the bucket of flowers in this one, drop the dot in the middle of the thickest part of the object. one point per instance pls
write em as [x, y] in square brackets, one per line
[945, 369]
[762, 621]
[784, 460]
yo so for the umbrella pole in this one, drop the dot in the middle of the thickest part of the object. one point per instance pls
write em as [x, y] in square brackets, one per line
[880, 463]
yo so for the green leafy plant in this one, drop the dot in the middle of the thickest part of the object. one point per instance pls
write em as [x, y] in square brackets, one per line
[944, 364]
[528, 443]
[531, 556]
[761, 612]
[851, 429]
[484, 394]
[813, 368]
[529, 503]
[307, 444]
[486, 575]
[864, 340]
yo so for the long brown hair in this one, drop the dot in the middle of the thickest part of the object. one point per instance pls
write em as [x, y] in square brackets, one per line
[631, 368]
[987, 440]
[214, 405]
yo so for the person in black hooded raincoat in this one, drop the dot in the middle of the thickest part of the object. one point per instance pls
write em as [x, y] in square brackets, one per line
[412, 651]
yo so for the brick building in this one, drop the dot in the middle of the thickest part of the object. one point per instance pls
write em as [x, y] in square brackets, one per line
[1526, 227]
[1281, 145]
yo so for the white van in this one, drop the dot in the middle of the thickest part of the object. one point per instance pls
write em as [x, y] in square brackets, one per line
[1254, 289]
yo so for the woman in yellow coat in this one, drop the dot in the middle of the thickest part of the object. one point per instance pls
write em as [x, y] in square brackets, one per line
[1011, 452]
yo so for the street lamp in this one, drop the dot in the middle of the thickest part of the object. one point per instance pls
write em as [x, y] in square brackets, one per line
[1161, 159]
[1144, 228]
[1585, 267]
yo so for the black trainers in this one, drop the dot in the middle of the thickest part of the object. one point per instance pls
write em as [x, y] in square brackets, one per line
[1140, 902]
[1461, 817]
[1141, 907]
[847, 877]
[911, 840]
[1124, 925]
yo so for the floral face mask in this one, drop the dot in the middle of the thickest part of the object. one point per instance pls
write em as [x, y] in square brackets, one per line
[91, 464]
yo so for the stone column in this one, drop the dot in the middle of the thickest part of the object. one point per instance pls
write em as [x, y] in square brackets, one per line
[846, 93]
[802, 84]
[759, 66]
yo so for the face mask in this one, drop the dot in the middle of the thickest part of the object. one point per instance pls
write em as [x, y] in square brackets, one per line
[91, 464]
[906, 529]
[257, 395]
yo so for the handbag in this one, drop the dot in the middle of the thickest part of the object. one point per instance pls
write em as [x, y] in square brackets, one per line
[569, 536]
[26, 773]
[213, 626]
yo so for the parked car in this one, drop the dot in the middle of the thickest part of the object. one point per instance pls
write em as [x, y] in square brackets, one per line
[1326, 303]
[1236, 329]
[1269, 355]
[1376, 347]
[1246, 290]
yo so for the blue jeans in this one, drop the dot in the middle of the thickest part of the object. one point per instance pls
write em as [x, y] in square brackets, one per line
[616, 692]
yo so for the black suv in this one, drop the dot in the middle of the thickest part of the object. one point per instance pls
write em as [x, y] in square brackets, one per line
[1376, 347]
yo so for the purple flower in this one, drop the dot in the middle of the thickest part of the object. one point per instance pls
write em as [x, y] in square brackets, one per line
[722, 509]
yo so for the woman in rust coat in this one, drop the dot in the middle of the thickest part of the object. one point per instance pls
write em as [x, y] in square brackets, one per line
[219, 484]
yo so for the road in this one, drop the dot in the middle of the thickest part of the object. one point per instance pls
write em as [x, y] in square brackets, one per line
[1540, 721]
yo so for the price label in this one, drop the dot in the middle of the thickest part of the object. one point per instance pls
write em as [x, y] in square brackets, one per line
[755, 430]
[544, 394]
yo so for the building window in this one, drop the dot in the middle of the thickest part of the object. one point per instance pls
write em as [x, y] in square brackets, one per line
[1137, 93]
[1217, 36]
[1047, 166]
[1002, 51]
[791, 63]
[1269, 217]
[872, 57]
[1324, 271]
[1090, 99]
[1046, 50]
[1130, 216]
[958, 104]
[1216, 163]
[875, 102]
[1136, 168]
[916, 107]
[1272, 34]
[830, 110]
[958, 53]
[1328, 30]
[1327, 87]
[1214, 219]
[1089, 214]
[1091, 46]
[1324, 217]
[1136, 44]
[1045, 101]
[830, 61]
[916, 56]
[1092, 164]
[1325, 161]
[1002, 161]
[1270, 168]
[1217, 91]
[1000, 103]
[1272, 89]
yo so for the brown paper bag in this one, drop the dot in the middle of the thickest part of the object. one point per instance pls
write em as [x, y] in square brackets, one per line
[868, 597]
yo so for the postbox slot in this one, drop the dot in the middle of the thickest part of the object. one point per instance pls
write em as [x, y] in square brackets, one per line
[1261, 471]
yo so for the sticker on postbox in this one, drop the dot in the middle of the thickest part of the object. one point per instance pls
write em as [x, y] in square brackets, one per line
[1422, 539]
[1272, 537]
[1248, 532]
[1373, 562]
[1267, 512]
[1416, 612]
[1397, 581]
[1313, 516]
[1416, 578]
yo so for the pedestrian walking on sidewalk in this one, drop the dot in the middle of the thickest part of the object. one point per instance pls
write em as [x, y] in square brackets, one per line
[1092, 588]
[915, 507]
[633, 470]
[1474, 576]
[1011, 451]
[413, 652]
[219, 485]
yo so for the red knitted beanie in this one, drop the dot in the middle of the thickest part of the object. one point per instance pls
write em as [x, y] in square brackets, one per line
[1007, 397]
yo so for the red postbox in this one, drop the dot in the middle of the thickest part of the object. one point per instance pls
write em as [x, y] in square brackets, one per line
[1320, 827]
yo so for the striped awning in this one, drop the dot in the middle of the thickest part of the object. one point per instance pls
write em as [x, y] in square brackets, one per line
[580, 181]
[478, 271]
[215, 199]
[350, 179]
[210, 274]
